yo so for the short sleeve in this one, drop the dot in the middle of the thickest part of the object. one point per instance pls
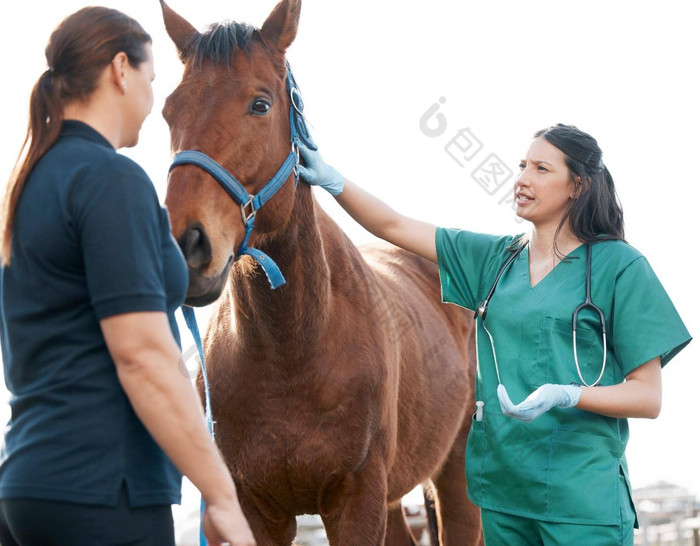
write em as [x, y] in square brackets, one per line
[646, 324]
[117, 216]
[465, 259]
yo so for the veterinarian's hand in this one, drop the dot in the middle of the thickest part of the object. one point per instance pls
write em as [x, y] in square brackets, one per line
[224, 523]
[543, 399]
[317, 173]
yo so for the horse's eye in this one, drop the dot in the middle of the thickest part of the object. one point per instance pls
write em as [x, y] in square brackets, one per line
[260, 107]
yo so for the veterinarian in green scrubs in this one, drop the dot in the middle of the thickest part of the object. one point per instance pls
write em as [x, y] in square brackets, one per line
[568, 465]
[551, 469]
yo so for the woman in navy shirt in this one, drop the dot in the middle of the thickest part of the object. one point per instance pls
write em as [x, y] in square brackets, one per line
[103, 420]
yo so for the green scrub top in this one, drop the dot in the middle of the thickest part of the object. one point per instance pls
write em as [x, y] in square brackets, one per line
[567, 465]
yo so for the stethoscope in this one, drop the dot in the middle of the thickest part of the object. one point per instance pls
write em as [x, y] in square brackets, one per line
[482, 309]
[588, 303]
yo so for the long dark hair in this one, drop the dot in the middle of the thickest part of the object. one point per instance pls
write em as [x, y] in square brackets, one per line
[596, 213]
[78, 51]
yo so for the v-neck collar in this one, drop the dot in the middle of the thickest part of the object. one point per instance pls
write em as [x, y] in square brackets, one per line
[550, 273]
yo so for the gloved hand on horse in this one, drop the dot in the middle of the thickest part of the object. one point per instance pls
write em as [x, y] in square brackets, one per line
[543, 399]
[317, 173]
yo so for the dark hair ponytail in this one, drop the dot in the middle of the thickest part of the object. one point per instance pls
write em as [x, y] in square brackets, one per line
[45, 109]
[595, 213]
[78, 51]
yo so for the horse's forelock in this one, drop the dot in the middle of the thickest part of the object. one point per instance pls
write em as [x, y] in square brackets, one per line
[220, 42]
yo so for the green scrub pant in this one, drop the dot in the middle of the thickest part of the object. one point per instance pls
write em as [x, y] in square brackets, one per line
[505, 529]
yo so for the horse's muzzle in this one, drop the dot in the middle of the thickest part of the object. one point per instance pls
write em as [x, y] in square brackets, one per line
[204, 290]
[197, 249]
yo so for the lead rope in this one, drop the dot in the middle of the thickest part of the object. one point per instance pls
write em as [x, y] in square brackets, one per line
[191, 321]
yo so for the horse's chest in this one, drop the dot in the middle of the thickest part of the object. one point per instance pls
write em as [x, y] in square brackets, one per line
[296, 465]
[313, 446]
[293, 447]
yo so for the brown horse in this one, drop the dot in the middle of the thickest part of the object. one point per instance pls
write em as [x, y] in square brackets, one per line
[342, 390]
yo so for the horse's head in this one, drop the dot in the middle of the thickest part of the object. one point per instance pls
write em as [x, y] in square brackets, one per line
[232, 105]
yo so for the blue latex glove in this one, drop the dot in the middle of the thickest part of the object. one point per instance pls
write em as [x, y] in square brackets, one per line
[317, 173]
[543, 399]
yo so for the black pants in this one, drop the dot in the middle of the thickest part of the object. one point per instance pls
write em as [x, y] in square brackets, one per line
[28, 522]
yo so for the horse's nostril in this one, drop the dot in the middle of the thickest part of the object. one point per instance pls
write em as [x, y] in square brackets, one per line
[196, 247]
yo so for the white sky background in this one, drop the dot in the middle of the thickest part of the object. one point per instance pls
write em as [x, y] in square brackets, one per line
[626, 72]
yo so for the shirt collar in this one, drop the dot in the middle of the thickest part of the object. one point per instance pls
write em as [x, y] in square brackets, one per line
[75, 128]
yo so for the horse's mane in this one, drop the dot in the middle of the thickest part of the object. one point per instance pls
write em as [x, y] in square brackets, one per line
[219, 43]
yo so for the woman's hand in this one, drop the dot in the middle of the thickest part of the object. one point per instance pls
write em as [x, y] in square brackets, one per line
[638, 396]
[224, 523]
[540, 401]
[318, 173]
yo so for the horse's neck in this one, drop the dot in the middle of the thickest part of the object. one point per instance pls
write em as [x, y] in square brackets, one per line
[289, 320]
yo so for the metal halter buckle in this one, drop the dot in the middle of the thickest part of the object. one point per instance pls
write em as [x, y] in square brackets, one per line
[295, 151]
[248, 216]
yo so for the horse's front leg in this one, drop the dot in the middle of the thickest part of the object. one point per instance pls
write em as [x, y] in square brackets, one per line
[270, 525]
[355, 511]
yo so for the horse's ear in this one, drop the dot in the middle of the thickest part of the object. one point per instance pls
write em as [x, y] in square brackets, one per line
[181, 32]
[280, 28]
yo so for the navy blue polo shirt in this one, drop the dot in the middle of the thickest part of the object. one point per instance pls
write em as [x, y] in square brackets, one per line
[90, 241]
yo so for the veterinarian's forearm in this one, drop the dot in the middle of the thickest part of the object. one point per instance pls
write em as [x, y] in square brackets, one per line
[638, 396]
[369, 211]
[381, 220]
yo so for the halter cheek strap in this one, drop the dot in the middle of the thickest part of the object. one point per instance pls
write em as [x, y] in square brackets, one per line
[250, 204]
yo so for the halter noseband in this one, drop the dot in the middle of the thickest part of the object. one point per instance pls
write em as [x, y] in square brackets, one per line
[250, 204]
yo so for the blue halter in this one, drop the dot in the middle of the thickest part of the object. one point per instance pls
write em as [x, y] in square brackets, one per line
[250, 204]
